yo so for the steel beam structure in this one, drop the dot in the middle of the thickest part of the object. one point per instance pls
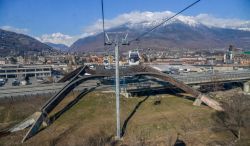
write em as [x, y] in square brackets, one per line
[77, 79]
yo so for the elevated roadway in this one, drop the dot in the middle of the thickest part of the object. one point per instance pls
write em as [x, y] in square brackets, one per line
[203, 78]
[189, 79]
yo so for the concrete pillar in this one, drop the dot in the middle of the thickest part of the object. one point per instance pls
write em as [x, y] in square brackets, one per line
[6, 76]
[125, 93]
[208, 101]
[25, 72]
[197, 102]
[196, 86]
[246, 87]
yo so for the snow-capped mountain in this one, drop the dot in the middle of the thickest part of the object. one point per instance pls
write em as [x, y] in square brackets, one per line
[151, 23]
[143, 21]
[177, 34]
[150, 19]
[60, 47]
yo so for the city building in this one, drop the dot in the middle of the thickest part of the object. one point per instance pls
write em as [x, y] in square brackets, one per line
[15, 71]
[2, 61]
[228, 56]
[242, 59]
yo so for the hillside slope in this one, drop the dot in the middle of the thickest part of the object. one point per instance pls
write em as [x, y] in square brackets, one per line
[12, 43]
[92, 120]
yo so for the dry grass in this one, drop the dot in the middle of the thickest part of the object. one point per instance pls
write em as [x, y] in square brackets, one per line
[14, 110]
[92, 122]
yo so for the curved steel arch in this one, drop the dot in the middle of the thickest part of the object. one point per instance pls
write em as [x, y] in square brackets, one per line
[55, 100]
[69, 87]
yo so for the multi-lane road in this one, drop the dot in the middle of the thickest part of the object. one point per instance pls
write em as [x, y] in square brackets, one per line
[201, 78]
[37, 89]
[190, 78]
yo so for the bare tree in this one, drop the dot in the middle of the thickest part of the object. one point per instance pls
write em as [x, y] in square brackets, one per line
[235, 116]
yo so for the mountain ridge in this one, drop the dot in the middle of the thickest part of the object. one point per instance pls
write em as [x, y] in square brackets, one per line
[59, 47]
[12, 43]
[176, 34]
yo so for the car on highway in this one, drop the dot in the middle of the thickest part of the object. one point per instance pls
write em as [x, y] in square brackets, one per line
[25, 82]
[107, 67]
[39, 79]
[15, 82]
[2, 82]
[87, 74]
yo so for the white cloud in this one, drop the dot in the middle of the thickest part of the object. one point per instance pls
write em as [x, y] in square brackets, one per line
[146, 19]
[58, 38]
[152, 18]
[14, 29]
[212, 21]
[137, 18]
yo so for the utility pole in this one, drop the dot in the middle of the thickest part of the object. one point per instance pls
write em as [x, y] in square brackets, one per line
[117, 90]
[213, 57]
[117, 79]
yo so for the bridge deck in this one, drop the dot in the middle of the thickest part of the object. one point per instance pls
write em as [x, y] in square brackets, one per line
[189, 79]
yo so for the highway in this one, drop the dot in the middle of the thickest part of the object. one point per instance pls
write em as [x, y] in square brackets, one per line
[37, 89]
[201, 78]
[189, 78]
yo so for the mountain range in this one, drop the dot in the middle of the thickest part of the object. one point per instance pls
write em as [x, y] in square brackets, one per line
[59, 47]
[180, 33]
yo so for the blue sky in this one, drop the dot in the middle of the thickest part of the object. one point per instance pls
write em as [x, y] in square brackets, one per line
[70, 17]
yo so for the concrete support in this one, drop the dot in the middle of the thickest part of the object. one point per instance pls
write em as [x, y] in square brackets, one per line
[246, 87]
[35, 127]
[125, 94]
[197, 102]
[25, 123]
[196, 86]
[208, 101]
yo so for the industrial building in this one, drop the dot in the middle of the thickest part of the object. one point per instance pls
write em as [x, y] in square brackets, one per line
[16, 71]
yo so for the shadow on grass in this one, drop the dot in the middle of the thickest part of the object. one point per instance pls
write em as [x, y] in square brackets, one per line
[69, 105]
[4, 133]
[172, 90]
[131, 115]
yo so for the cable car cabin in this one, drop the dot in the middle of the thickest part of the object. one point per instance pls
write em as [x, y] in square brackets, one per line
[134, 58]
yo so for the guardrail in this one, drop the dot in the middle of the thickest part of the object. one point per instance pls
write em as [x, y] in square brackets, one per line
[32, 90]
[216, 77]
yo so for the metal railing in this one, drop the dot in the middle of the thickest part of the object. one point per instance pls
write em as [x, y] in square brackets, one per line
[216, 77]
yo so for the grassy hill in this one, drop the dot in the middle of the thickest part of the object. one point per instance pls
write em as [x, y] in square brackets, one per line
[92, 122]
